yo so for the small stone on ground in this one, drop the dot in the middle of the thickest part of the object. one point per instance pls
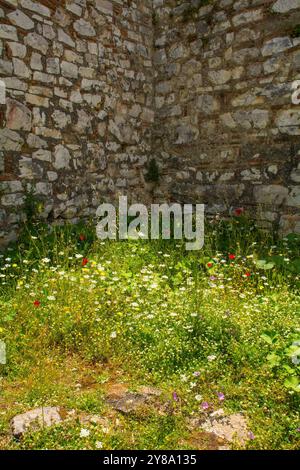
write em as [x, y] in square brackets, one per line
[33, 420]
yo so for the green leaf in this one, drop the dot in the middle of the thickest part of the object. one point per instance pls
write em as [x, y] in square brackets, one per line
[273, 360]
[269, 337]
[293, 351]
[295, 266]
[263, 264]
[277, 260]
[292, 383]
[289, 369]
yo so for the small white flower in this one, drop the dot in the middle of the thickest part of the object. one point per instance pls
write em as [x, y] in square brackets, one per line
[78, 256]
[84, 433]
[211, 358]
[198, 397]
[51, 298]
[113, 335]
[99, 445]
[46, 260]
[154, 286]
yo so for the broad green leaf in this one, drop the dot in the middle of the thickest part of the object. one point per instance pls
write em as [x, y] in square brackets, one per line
[263, 264]
[292, 383]
[273, 360]
[269, 337]
[293, 351]
[289, 369]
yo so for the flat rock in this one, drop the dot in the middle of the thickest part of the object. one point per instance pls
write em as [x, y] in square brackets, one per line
[34, 420]
[232, 428]
[127, 402]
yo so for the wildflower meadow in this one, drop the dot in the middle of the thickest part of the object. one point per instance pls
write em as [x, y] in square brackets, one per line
[140, 343]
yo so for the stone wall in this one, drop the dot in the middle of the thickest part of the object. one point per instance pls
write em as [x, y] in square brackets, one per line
[76, 126]
[95, 88]
[226, 132]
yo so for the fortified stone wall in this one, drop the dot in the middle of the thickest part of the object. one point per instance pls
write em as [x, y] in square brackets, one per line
[76, 126]
[95, 88]
[226, 132]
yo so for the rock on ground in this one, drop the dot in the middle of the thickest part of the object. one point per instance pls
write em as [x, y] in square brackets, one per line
[230, 429]
[126, 402]
[33, 420]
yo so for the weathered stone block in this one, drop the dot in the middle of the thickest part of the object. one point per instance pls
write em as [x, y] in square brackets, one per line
[69, 70]
[84, 28]
[284, 6]
[288, 121]
[8, 32]
[276, 45]
[19, 19]
[36, 7]
[273, 195]
[17, 50]
[62, 158]
[6, 67]
[18, 116]
[36, 41]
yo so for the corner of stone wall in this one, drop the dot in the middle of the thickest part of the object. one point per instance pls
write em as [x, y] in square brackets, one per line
[226, 130]
[76, 126]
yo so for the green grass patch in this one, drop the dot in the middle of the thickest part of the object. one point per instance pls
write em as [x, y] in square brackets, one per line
[224, 320]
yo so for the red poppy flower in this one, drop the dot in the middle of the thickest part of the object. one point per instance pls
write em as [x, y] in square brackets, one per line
[239, 211]
[85, 262]
[232, 257]
[82, 237]
[248, 274]
[209, 265]
[37, 303]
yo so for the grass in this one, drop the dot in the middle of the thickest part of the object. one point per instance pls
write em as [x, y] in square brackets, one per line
[79, 316]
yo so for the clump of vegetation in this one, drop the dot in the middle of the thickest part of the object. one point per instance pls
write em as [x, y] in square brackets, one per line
[32, 206]
[218, 328]
[152, 175]
[154, 19]
[296, 31]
